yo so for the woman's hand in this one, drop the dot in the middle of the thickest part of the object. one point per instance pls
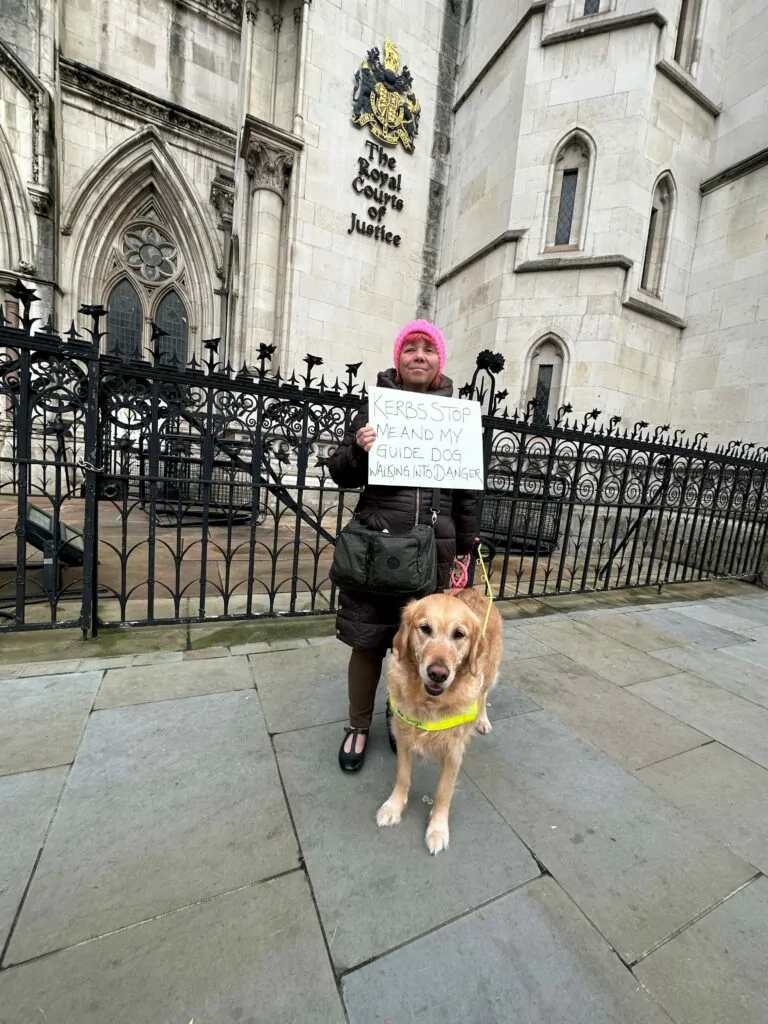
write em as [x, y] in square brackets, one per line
[365, 437]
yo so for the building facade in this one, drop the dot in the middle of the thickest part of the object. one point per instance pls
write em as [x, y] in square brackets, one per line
[580, 185]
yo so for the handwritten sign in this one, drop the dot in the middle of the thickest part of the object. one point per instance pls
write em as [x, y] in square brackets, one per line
[423, 440]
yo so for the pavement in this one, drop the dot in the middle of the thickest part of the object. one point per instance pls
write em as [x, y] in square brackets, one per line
[178, 845]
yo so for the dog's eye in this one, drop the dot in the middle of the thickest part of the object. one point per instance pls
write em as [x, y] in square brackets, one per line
[459, 634]
[426, 629]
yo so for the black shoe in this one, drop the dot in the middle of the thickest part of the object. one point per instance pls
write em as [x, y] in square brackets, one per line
[350, 761]
[390, 729]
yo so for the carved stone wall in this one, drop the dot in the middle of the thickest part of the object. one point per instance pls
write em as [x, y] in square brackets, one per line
[226, 128]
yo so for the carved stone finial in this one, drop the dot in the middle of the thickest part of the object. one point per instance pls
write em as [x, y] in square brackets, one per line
[41, 200]
[223, 198]
[268, 166]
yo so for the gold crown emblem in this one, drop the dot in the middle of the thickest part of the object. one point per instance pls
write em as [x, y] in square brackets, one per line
[383, 98]
[391, 56]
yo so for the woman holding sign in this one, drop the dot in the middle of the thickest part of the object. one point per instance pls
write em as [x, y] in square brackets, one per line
[368, 622]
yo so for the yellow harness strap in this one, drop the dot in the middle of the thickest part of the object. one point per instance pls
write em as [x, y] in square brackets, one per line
[444, 723]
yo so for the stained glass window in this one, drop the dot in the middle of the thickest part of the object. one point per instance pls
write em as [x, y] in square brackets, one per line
[591, 6]
[124, 322]
[656, 241]
[543, 393]
[687, 31]
[567, 206]
[568, 198]
[149, 254]
[171, 317]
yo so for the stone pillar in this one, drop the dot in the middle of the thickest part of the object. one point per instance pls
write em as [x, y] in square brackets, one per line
[269, 157]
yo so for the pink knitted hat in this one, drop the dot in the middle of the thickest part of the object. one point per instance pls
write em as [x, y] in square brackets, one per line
[429, 330]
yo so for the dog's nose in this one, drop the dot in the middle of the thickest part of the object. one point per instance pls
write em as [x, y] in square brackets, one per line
[437, 673]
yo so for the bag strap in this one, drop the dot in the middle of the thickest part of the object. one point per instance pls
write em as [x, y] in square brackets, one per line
[435, 505]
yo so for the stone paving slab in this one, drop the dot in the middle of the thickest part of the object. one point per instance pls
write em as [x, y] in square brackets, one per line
[723, 791]
[736, 723]
[42, 719]
[142, 684]
[376, 888]
[306, 687]
[518, 644]
[50, 668]
[506, 700]
[739, 677]
[158, 658]
[756, 596]
[754, 610]
[626, 728]
[27, 803]
[715, 971]
[206, 654]
[725, 615]
[609, 658]
[120, 661]
[167, 803]
[529, 957]
[694, 631]
[631, 630]
[248, 957]
[636, 866]
[755, 654]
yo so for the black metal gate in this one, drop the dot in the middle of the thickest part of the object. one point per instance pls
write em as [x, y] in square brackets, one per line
[132, 491]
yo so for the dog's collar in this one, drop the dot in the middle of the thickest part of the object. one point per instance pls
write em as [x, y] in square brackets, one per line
[449, 722]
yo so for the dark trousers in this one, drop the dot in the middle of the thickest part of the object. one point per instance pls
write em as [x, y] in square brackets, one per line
[363, 677]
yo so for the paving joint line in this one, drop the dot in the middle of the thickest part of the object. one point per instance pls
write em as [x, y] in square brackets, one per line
[442, 924]
[669, 757]
[33, 872]
[310, 886]
[694, 920]
[155, 917]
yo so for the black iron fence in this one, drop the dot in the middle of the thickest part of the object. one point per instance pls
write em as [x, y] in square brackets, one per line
[135, 491]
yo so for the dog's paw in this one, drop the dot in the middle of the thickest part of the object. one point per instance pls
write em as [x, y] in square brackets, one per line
[389, 814]
[437, 837]
[483, 725]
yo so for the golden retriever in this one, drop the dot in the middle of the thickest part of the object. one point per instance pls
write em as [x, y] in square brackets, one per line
[441, 665]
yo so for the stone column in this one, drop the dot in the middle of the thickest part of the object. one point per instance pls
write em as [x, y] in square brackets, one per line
[269, 157]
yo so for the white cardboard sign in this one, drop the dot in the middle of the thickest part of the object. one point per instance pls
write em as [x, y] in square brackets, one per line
[424, 440]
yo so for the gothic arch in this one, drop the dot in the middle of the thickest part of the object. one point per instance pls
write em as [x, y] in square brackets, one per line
[139, 179]
[549, 353]
[16, 236]
[659, 233]
[572, 166]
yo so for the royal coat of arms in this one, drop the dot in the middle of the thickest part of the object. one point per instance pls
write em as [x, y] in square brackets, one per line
[383, 99]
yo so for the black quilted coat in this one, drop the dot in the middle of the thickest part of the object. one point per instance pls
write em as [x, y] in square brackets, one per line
[364, 622]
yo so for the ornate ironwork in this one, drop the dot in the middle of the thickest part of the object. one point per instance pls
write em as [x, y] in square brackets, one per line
[188, 493]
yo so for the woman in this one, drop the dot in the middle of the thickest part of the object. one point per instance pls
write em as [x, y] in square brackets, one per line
[366, 623]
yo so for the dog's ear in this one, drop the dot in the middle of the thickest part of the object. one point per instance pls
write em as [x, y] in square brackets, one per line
[401, 644]
[476, 646]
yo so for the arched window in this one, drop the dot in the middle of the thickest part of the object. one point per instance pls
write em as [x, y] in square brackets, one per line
[545, 379]
[568, 200]
[148, 283]
[657, 241]
[686, 44]
[171, 317]
[125, 321]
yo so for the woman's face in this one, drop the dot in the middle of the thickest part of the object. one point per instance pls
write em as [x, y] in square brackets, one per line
[419, 363]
